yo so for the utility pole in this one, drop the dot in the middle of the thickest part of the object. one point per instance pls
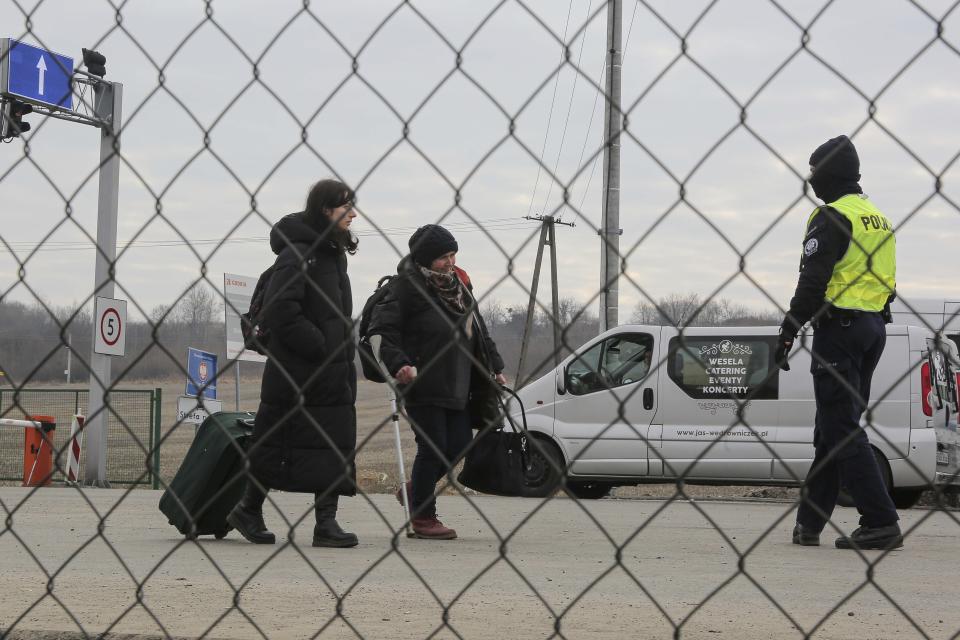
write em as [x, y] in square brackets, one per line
[610, 225]
[547, 237]
[108, 98]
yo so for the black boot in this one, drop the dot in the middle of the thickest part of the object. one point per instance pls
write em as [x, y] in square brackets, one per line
[864, 537]
[327, 533]
[805, 537]
[247, 516]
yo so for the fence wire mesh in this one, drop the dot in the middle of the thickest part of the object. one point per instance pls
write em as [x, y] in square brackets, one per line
[131, 437]
[451, 114]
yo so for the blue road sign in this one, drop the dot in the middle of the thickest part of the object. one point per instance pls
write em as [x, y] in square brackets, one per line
[201, 373]
[38, 75]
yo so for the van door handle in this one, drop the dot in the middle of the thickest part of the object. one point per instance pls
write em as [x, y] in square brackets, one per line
[648, 398]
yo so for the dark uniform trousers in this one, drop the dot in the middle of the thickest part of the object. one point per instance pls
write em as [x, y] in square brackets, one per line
[845, 353]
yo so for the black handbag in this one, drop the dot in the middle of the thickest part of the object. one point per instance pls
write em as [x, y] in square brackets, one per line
[496, 461]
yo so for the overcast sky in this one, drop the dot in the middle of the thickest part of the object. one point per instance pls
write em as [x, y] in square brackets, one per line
[742, 182]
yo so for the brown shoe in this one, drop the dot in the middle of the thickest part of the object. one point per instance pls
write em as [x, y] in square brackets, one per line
[432, 529]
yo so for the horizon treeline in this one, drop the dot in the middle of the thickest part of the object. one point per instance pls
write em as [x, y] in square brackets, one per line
[34, 338]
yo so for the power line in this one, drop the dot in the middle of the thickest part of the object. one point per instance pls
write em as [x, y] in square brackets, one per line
[573, 92]
[493, 224]
[546, 135]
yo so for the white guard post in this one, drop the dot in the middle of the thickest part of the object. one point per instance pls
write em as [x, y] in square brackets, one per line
[76, 444]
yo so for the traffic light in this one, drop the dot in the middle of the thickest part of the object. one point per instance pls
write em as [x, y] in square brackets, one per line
[13, 124]
[95, 62]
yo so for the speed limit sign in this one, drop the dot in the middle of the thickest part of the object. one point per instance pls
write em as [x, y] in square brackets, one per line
[110, 327]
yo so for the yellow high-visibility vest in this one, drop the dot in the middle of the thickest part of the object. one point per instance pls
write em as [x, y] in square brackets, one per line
[866, 275]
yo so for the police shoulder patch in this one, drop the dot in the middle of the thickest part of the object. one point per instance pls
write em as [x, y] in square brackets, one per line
[810, 247]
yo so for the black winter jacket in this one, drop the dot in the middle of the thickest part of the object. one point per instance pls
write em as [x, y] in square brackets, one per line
[307, 310]
[418, 329]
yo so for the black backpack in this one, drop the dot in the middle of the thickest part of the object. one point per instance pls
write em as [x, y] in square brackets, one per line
[368, 362]
[255, 337]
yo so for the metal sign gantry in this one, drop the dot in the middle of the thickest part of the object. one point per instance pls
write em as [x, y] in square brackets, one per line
[47, 82]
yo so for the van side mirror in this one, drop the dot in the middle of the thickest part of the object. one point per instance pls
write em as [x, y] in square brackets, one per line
[561, 384]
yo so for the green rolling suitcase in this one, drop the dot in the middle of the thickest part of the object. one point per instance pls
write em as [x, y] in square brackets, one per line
[211, 478]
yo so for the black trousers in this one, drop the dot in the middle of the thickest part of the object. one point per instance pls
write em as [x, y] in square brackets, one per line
[442, 436]
[845, 354]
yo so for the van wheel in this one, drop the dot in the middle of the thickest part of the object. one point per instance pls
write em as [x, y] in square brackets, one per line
[589, 490]
[844, 499]
[905, 498]
[544, 469]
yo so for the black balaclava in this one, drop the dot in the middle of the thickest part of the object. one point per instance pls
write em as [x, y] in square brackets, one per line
[429, 242]
[836, 169]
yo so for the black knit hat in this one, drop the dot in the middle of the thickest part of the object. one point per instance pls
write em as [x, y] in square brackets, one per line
[837, 157]
[429, 242]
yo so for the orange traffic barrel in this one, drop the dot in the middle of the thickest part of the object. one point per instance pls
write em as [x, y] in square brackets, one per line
[38, 451]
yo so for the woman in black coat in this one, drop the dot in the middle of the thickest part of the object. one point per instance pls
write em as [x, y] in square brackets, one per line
[306, 426]
[435, 344]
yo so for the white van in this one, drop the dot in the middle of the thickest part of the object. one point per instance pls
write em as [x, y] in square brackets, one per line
[713, 408]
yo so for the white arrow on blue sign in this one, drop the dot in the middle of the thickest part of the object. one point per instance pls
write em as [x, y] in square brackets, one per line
[37, 75]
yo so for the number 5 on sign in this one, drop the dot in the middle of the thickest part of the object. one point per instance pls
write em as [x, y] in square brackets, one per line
[110, 327]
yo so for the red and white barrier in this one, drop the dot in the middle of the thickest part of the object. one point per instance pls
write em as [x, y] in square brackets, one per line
[73, 453]
[19, 424]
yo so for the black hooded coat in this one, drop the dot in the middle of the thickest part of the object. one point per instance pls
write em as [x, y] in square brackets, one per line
[306, 427]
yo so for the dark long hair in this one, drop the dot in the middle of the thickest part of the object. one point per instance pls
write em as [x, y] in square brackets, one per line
[329, 194]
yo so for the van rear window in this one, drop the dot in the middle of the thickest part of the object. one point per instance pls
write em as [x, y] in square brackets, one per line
[724, 366]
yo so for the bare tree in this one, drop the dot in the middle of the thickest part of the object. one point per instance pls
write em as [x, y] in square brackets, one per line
[676, 309]
[494, 313]
[645, 313]
[197, 309]
[688, 310]
[161, 312]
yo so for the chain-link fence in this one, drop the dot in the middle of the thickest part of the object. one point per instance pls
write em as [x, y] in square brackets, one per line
[133, 432]
[668, 203]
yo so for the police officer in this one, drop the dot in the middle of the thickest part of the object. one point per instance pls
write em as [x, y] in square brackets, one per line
[847, 281]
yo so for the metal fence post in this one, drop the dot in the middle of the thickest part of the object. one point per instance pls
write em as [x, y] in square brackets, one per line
[109, 98]
[155, 435]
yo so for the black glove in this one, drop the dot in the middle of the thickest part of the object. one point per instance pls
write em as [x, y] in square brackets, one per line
[784, 344]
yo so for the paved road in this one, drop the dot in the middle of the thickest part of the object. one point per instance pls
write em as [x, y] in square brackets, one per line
[560, 570]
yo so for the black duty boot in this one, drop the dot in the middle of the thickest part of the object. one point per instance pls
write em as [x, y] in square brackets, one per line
[805, 537]
[864, 537]
[327, 533]
[247, 516]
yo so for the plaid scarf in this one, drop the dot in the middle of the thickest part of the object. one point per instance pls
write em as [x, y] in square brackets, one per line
[448, 288]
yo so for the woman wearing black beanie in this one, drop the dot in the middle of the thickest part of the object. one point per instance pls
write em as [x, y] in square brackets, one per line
[436, 345]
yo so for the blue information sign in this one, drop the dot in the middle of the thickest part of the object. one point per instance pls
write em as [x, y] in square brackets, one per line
[201, 373]
[38, 75]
